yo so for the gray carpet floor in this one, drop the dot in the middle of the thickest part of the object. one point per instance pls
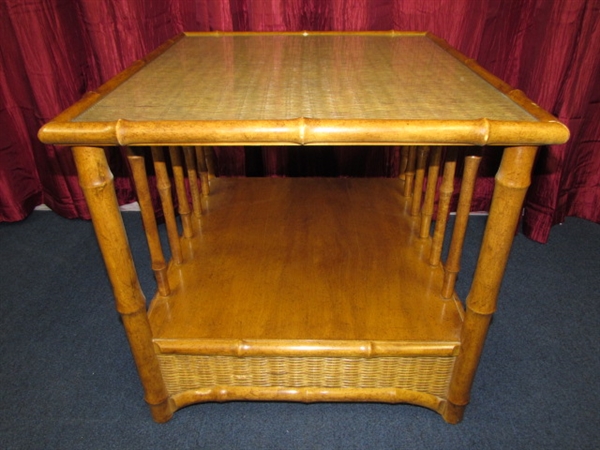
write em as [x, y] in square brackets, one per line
[67, 380]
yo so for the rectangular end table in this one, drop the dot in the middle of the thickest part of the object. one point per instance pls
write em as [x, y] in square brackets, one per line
[305, 289]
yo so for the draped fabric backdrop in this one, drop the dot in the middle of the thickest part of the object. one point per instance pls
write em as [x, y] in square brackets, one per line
[53, 51]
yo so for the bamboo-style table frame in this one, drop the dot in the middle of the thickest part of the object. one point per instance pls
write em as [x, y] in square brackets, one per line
[421, 139]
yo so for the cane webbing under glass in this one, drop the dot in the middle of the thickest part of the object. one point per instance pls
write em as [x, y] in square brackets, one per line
[305, 88]
[320, 77]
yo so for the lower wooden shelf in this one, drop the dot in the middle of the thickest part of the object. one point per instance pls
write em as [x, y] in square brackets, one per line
[306, 284]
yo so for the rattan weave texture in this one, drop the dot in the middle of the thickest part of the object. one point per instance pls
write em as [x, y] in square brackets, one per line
[274, 77]
[423, 374]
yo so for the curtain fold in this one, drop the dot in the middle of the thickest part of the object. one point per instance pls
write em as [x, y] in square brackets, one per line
[53, 52]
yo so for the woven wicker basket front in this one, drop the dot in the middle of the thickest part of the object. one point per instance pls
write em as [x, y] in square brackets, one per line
[420, 373]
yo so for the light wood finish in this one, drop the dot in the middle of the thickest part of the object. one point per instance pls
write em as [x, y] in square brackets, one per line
[230, 89]
[292, 273]
[203, 169]
[452, 266]
[429, 202]
[307, 395]
[306, 289]
[96, 180]
[164, 190]
[182, 201]
[409, 171]
[512, 180]
[421, 167]
[159, 264]
[446, 190]
[403, 162]
[209, 157]
[190, 163]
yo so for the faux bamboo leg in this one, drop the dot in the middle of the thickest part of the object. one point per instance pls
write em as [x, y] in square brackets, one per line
[446, 191]
[203, 169]
[97, 183]
[190, 163]
[432, 179]
[164, 189]
[409, 174]
[512, 181]
[159, 265]
[422, 154]
[182, 200]
[452, 266]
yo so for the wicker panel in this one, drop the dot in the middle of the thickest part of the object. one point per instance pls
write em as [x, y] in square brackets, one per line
[423, 374]
[323, 77]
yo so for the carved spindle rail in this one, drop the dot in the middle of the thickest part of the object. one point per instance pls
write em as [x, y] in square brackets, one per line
[429, 202]
[159, 265]
[182, 200]
[184, 172]
[452, 266]
[209, 158]
[420, 168]
[201, 161]
[409, 172]
[163, 184]
[403, 161]
[445, 195]
[415, 162]
[422, 153]
[190, 163]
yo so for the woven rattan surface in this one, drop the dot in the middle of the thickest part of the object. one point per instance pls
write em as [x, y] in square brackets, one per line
[423, 374]
[269, 77]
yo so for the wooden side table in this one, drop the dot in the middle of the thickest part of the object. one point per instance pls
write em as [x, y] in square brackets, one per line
[305, 289]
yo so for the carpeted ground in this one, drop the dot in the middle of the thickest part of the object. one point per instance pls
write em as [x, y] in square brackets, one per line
[67, 380]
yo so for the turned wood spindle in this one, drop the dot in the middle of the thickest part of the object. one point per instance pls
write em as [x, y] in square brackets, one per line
[209, 157]
[203, 169]
[409, 173]
[428, 203]
[190, 162]
[422, 153]
[182, 200]
[403, 162]
[446, 191]
[164, 189]
[452, 266]
[157, 257]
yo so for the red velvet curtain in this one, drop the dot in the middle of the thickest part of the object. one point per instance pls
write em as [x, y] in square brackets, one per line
[53, 51]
